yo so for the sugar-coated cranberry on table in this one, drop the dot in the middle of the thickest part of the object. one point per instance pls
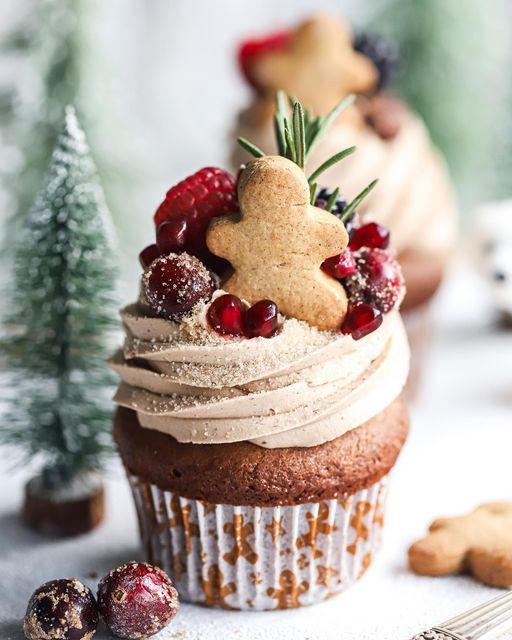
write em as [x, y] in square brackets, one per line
[207, 194]
[63, 609]
[174, 284]
[137, 600]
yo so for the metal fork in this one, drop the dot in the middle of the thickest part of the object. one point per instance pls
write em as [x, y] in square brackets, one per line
[487, 621]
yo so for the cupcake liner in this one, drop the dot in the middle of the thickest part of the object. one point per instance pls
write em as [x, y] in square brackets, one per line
[259, 558]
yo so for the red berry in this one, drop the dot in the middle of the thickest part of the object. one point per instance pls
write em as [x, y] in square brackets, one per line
[378, 280]
[64, 609]
[261, 319]
[371, 235]
[198, 199]
[340, 266]
[226, 315]
[361, 319]
[136, 600]
[147, 255]
[251, 49]
[171, 236]
[174, 284]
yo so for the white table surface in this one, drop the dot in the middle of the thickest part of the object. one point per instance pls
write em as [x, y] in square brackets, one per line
[457, 457]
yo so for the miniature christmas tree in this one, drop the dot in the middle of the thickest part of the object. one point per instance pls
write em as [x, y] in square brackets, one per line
[56, 339]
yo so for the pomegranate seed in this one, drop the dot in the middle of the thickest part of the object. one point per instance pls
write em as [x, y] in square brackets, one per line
[171, 236]
[372, 235]
[147, 255]
[378, 280]
[226, 315]
[261, 319]
[136, 600]
[174, 284]
[340, 266]
[361, 319]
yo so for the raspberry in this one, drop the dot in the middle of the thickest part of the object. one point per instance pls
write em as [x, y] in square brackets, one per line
[205, 195]
[251, 49]
[361, 319]
[136, 600]
[64, 609]
[174, 284]
[378, 280]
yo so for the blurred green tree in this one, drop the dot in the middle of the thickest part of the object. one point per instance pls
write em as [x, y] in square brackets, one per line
[61, 314]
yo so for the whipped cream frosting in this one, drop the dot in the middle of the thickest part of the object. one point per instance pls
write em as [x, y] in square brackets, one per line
[414, 197]
[300, 388]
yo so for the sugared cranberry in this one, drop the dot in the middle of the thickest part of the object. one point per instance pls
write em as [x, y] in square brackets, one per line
[64, 609]
[171, 236]
[378, 279]
[361, 319]
[136, 600]
[261, 319]
[147, 255]
[372, 235]
[174, 284]
[340, 266]
[226, 315]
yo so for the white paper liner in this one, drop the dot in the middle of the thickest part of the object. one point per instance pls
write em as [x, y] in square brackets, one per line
[259, 558]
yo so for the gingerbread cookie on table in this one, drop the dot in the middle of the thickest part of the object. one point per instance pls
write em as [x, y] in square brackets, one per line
[480, 543]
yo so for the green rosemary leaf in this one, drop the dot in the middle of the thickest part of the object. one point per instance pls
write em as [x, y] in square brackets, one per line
[330, 162]
[250, 147]
[299, 133]
[290, 142]
[357, 200]
[332, 199]
[279, 131]
[329, 120]
[312, 132]
[312, 190]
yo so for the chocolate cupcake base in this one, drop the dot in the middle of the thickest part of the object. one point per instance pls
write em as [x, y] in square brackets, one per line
[241, 527]
[260, 558]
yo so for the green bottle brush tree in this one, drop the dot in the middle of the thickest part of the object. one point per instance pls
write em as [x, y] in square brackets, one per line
[55, 338]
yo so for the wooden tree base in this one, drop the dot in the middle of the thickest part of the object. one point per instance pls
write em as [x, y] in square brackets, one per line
[64, 511]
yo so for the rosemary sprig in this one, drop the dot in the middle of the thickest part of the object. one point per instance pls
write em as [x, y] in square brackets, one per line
[357, 200]
[297, 134]
[330, 162]
[329, 205]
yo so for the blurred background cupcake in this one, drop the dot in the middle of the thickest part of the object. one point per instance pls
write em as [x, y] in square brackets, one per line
[321, 61]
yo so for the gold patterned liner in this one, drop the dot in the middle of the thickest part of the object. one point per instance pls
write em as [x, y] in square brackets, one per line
[259, 558]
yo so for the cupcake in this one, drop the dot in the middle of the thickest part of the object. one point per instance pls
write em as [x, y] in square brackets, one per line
[320, 62]
[260, 406]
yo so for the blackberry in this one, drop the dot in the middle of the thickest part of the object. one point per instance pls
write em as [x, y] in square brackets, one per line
[382, 52]
[339, 207]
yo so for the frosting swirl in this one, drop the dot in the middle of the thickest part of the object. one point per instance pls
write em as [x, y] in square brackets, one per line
[301, 388]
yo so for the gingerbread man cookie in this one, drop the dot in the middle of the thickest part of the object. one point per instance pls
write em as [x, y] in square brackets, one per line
[279, 242]
[320, 66]
[480, 543]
